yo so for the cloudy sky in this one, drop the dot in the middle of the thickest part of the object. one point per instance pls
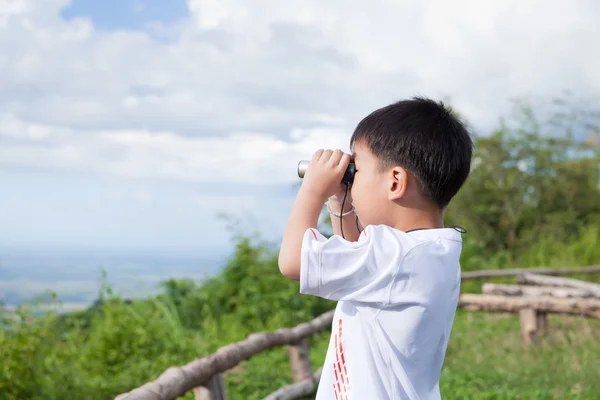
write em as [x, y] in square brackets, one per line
[133, 123]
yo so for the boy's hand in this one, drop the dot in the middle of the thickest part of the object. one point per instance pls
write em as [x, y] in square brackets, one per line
[321, 180]
[337, 200]
[324, 174]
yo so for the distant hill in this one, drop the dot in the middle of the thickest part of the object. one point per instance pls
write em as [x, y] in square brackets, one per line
[76, 277]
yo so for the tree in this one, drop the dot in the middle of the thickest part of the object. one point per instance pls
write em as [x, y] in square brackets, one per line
[531, 178]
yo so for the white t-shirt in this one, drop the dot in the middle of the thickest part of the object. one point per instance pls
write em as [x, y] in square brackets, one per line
[397, 295]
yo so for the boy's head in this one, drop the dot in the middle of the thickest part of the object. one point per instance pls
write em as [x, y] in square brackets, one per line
[414, 151]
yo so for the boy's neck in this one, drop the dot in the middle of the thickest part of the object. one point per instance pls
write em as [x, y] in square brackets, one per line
[415, 218]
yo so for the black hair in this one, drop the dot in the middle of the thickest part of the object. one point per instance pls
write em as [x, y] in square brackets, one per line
[424, 137]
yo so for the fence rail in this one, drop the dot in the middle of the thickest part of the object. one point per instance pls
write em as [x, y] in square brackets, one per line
[497, 273]
[297, 390]
[204, 375]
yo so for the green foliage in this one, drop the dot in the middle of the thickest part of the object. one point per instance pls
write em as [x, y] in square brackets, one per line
[249, 292]
[22, 338]
[528, 184]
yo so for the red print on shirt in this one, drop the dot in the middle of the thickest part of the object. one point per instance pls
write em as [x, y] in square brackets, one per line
[341, 386]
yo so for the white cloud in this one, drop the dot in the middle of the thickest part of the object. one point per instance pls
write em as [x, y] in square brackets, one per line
[237, 158]
[244, 90]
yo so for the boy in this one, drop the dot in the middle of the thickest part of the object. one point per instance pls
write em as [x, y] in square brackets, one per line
[397, 283]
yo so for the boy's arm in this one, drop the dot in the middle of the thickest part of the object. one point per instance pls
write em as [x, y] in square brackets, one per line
[321, 180]
[305, 214]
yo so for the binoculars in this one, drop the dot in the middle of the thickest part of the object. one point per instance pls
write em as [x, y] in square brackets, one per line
[347, 178]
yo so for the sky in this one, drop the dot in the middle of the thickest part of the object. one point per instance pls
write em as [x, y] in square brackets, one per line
[132, 124]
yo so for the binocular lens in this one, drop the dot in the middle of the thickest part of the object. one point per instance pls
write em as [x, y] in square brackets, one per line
[347, 178]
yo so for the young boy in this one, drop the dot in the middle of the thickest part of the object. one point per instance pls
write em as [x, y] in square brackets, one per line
[397, 282]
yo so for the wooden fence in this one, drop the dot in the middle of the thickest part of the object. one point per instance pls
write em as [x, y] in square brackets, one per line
[537, 295]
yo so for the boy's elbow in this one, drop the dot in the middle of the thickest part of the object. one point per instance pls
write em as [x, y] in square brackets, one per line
[289, 268]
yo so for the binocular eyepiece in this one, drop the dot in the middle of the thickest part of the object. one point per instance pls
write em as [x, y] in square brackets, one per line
[347, 178]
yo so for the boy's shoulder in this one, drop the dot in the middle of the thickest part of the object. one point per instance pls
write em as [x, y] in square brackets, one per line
[422, 264]
[414, 248]
[381, 260]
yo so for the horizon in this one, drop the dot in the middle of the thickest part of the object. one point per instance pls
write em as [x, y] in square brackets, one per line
[77, 278]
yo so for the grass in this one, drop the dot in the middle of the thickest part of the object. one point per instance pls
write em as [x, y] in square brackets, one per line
[486, 360]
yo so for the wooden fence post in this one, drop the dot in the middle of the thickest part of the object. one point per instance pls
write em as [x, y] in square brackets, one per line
[300, 360]
[214, 389]
[541, 321]
[528, 319]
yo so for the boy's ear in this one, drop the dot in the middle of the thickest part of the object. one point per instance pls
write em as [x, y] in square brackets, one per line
[398, 183]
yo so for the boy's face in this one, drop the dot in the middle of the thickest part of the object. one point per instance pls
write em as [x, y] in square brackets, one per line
[369, 189]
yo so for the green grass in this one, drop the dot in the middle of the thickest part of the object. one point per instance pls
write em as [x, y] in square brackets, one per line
[486, 359]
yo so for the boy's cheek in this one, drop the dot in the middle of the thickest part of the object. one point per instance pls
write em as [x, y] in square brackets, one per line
[356, 200]
[353, 197]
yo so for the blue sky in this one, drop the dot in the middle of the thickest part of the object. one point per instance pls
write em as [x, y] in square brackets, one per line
[113, 138]
[127, 14]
